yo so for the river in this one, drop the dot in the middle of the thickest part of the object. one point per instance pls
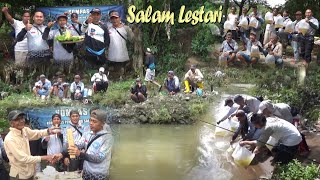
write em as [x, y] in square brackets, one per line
[178, 152]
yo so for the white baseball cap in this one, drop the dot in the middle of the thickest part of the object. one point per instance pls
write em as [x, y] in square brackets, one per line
[101, 69]
[267, 104]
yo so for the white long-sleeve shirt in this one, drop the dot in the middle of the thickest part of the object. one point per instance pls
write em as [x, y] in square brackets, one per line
[99, 77]
[196, 76]
[230, 111]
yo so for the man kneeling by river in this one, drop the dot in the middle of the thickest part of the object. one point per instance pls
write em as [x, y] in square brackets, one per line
[96, 148]
[286, 133]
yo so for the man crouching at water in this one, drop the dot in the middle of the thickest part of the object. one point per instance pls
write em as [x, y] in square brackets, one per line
[16, 145]
[96, 148]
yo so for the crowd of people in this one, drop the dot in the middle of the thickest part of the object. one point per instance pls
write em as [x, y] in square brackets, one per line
[262, 123]
[90, 153]
[279, 33]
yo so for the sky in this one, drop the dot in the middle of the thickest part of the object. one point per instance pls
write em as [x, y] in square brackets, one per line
[273, 3]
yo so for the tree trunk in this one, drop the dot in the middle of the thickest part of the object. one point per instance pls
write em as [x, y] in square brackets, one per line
[225, 9]
[138, 54]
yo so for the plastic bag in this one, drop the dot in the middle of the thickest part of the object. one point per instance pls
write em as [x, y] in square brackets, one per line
[268, 18]
[244, 23]
[270, 60]
[279, 22]
[253, 22]
[242, 156]
[303, 27]
[223, 61]
[226, 126]
[227, 26]
[271, 142]
[255, 51]
[289, 27]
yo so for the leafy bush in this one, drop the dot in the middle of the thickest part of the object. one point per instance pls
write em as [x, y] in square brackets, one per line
[296, 171]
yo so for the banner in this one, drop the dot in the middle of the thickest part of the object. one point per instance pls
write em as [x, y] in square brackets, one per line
[83, 12]
[40, 118]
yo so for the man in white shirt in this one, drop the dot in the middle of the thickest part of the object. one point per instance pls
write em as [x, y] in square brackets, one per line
[77, 88]
[233, 18]
[258, 16]
[20, 48]
[233, 107]
[281, 110]
[247, 57]
[247, 103]
[286, 133]
[193, 78]
[295, 38]
[100, 81]
[270, 29]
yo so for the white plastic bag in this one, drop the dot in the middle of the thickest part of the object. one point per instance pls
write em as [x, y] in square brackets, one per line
[278, 21]
[227, 26]
[223, 61]
[253, 22]
[255, 51]
[289, 27]
[242, 156]
[268, 18]
[244, 23]
[226, 126]
[271, 142]
[270, 60]
[303, 27]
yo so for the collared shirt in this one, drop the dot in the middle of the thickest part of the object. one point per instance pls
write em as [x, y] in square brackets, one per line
[97, 157]
[17, 147]
[74, 86]
[22, 45]
[280, 129]
[226, 48]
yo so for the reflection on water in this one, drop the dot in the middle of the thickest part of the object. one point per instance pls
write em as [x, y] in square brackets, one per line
[175, 152]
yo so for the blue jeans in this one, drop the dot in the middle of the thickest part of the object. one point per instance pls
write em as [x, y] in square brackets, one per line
[279, 61]
[247, 57]
[295, 45]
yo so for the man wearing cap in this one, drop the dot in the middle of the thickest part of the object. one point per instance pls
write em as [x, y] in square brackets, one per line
[281, 110]
[228, 50]
[95, 148]
[119, 34]
[232, 108]
[20, 48]
[295, 38]
[286, 133]
[307, 40]
[151, 69]
[17, 147]
[138, 92]
[42, 87]
[96, 38]
[62, 53]
[246, 129]
[38, 49]
[247, 103]
[77, 88]
[100, 81]
[172, 83]
[193, 79]
[274, 50]
[247, 56]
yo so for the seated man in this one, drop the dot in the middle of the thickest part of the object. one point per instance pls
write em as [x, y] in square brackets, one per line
[246, 129]
[193, 78]
[254, 47]
[42, 87]
[172, 83]
[281, 110]
[274, 49]
[100, 81]
[60, 88]
[77, 88]
[229, 48]
[138, 91]
[286, 133]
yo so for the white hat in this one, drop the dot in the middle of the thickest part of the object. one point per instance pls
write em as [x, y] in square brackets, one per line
[149, 50]
[101, 69]
[267, 104]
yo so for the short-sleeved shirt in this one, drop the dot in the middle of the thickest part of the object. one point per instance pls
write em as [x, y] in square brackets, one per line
[35, 41]
[22, 45]
[226, 48]
[249, 45]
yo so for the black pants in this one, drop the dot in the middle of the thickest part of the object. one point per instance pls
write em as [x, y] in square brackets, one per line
[4, 175]
[284, 154]
[306, 44]
[102, 86]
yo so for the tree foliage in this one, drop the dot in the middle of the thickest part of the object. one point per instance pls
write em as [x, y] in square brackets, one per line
[298, 5]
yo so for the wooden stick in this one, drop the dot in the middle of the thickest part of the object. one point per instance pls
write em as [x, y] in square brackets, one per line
[70, 141]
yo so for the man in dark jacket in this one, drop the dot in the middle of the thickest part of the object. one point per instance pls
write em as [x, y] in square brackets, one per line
[139, 92]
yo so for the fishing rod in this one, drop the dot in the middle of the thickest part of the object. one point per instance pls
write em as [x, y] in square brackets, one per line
[216, 125]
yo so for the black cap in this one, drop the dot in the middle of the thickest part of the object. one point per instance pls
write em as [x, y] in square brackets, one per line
[14, 114]
[114, 14]
[95, 10]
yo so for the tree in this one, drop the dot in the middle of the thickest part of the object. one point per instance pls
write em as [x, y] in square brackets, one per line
[298, 5]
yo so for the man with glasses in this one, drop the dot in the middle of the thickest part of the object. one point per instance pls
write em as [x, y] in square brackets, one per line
[16, 144]
[75, 23]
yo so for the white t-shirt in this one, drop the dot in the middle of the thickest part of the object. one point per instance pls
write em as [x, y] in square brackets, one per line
[54, 145]
[118, 51]
[22, 45]
[232, 18]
